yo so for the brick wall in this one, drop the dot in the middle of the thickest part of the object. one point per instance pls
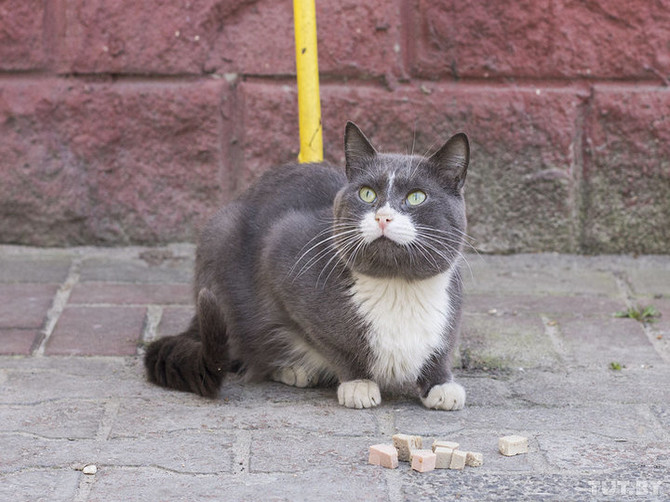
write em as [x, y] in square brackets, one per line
[126, 121]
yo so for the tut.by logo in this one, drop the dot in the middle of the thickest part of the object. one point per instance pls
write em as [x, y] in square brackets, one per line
[638, 488]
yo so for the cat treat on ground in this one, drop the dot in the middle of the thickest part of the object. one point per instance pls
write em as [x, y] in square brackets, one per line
[474, 459]
[442, 455]
[445, 444]
[383, 454]
[458, 459]
[423, 460]
[443, 459]
[513, 445]
[405, 443]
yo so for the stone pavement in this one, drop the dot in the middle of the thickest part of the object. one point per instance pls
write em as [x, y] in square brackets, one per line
[537, 358]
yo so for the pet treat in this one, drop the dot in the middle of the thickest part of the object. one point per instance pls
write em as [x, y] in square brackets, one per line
[445, 444]
[383, 454]
[513, 445]
[405, 443]
[423, 460]
[457, 459]
[443, 457]
[474, 459]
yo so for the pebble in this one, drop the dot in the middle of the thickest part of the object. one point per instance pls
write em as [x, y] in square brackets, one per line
[90, 469]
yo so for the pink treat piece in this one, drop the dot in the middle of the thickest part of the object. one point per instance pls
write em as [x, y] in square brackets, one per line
[423, 460]
[383, 454]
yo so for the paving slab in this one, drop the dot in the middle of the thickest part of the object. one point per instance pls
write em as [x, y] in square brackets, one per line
[540, 329]
[57, 485]
[106, 331]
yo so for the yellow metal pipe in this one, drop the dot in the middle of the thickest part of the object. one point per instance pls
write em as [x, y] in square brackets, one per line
[307, 67]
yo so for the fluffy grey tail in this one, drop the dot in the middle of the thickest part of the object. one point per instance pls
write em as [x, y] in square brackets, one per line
[195, 360]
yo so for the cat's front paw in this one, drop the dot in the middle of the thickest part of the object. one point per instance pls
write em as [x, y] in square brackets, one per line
[359, 394]
[447, 396]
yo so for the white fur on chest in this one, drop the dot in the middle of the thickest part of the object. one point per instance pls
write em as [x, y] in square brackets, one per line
[407, 323]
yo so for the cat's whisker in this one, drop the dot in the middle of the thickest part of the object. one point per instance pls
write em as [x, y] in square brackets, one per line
[426, 255]
[462, 256]
[311, 261]
[452, 239]
[320, 255]
[349, 244]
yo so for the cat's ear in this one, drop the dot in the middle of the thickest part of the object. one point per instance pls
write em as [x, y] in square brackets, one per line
[358, 151]
[452, 160]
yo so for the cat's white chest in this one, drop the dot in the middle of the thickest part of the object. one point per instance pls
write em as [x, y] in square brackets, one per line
[407, 322]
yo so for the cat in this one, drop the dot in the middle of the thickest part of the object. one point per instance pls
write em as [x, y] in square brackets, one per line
[317, 275]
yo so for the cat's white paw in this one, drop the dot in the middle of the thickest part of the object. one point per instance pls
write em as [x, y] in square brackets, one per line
[296, 376]
[447, 396]
[359, 394]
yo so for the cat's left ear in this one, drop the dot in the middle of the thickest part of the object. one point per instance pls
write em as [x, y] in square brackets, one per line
[452, 160]
[358, 151]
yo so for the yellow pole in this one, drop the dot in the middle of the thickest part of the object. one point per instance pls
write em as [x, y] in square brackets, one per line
[307, 66]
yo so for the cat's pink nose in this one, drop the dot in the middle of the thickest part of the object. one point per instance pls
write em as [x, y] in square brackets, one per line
[383, 219]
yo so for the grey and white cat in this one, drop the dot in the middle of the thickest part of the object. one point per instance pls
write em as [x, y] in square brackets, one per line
[319, 276]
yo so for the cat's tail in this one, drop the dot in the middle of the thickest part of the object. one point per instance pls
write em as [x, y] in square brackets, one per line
[195, 360]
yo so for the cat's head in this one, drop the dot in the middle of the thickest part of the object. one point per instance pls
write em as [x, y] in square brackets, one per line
[401, 215]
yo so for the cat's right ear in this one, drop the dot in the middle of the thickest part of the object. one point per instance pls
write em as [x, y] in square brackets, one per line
[358, 151]
[452, 160]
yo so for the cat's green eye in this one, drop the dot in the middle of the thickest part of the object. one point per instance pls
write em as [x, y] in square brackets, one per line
[367, 194]
[415, 198]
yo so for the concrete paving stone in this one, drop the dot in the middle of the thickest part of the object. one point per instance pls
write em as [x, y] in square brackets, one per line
[54, 419]
[17, 341]
[174, 320]
[543, 274]
[660, 327]
[106, 331]
[614, 421]
[130, 294]
[22, 451]
[201, 451]
[490, 342]
[650, 281]
[570, 387]
[45, 269]
[46, 485]
[662, 412]
[142, 484]
[277, 393]
[485, 390]
[23, 380]
[576, 306]
[25, 305]
[603, 340]
[471, 485]
[135, 269]
[195, 452]
[301, 451]
[581, 451]
[137, 417]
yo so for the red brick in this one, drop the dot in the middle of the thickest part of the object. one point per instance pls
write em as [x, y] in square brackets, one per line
[541, 39]
[520, 184]
[22, 35]
[25, 305]
[118, 163]
[99, 331]
[626, 173]
[131, 294]
[17, 342]
[205, 36]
